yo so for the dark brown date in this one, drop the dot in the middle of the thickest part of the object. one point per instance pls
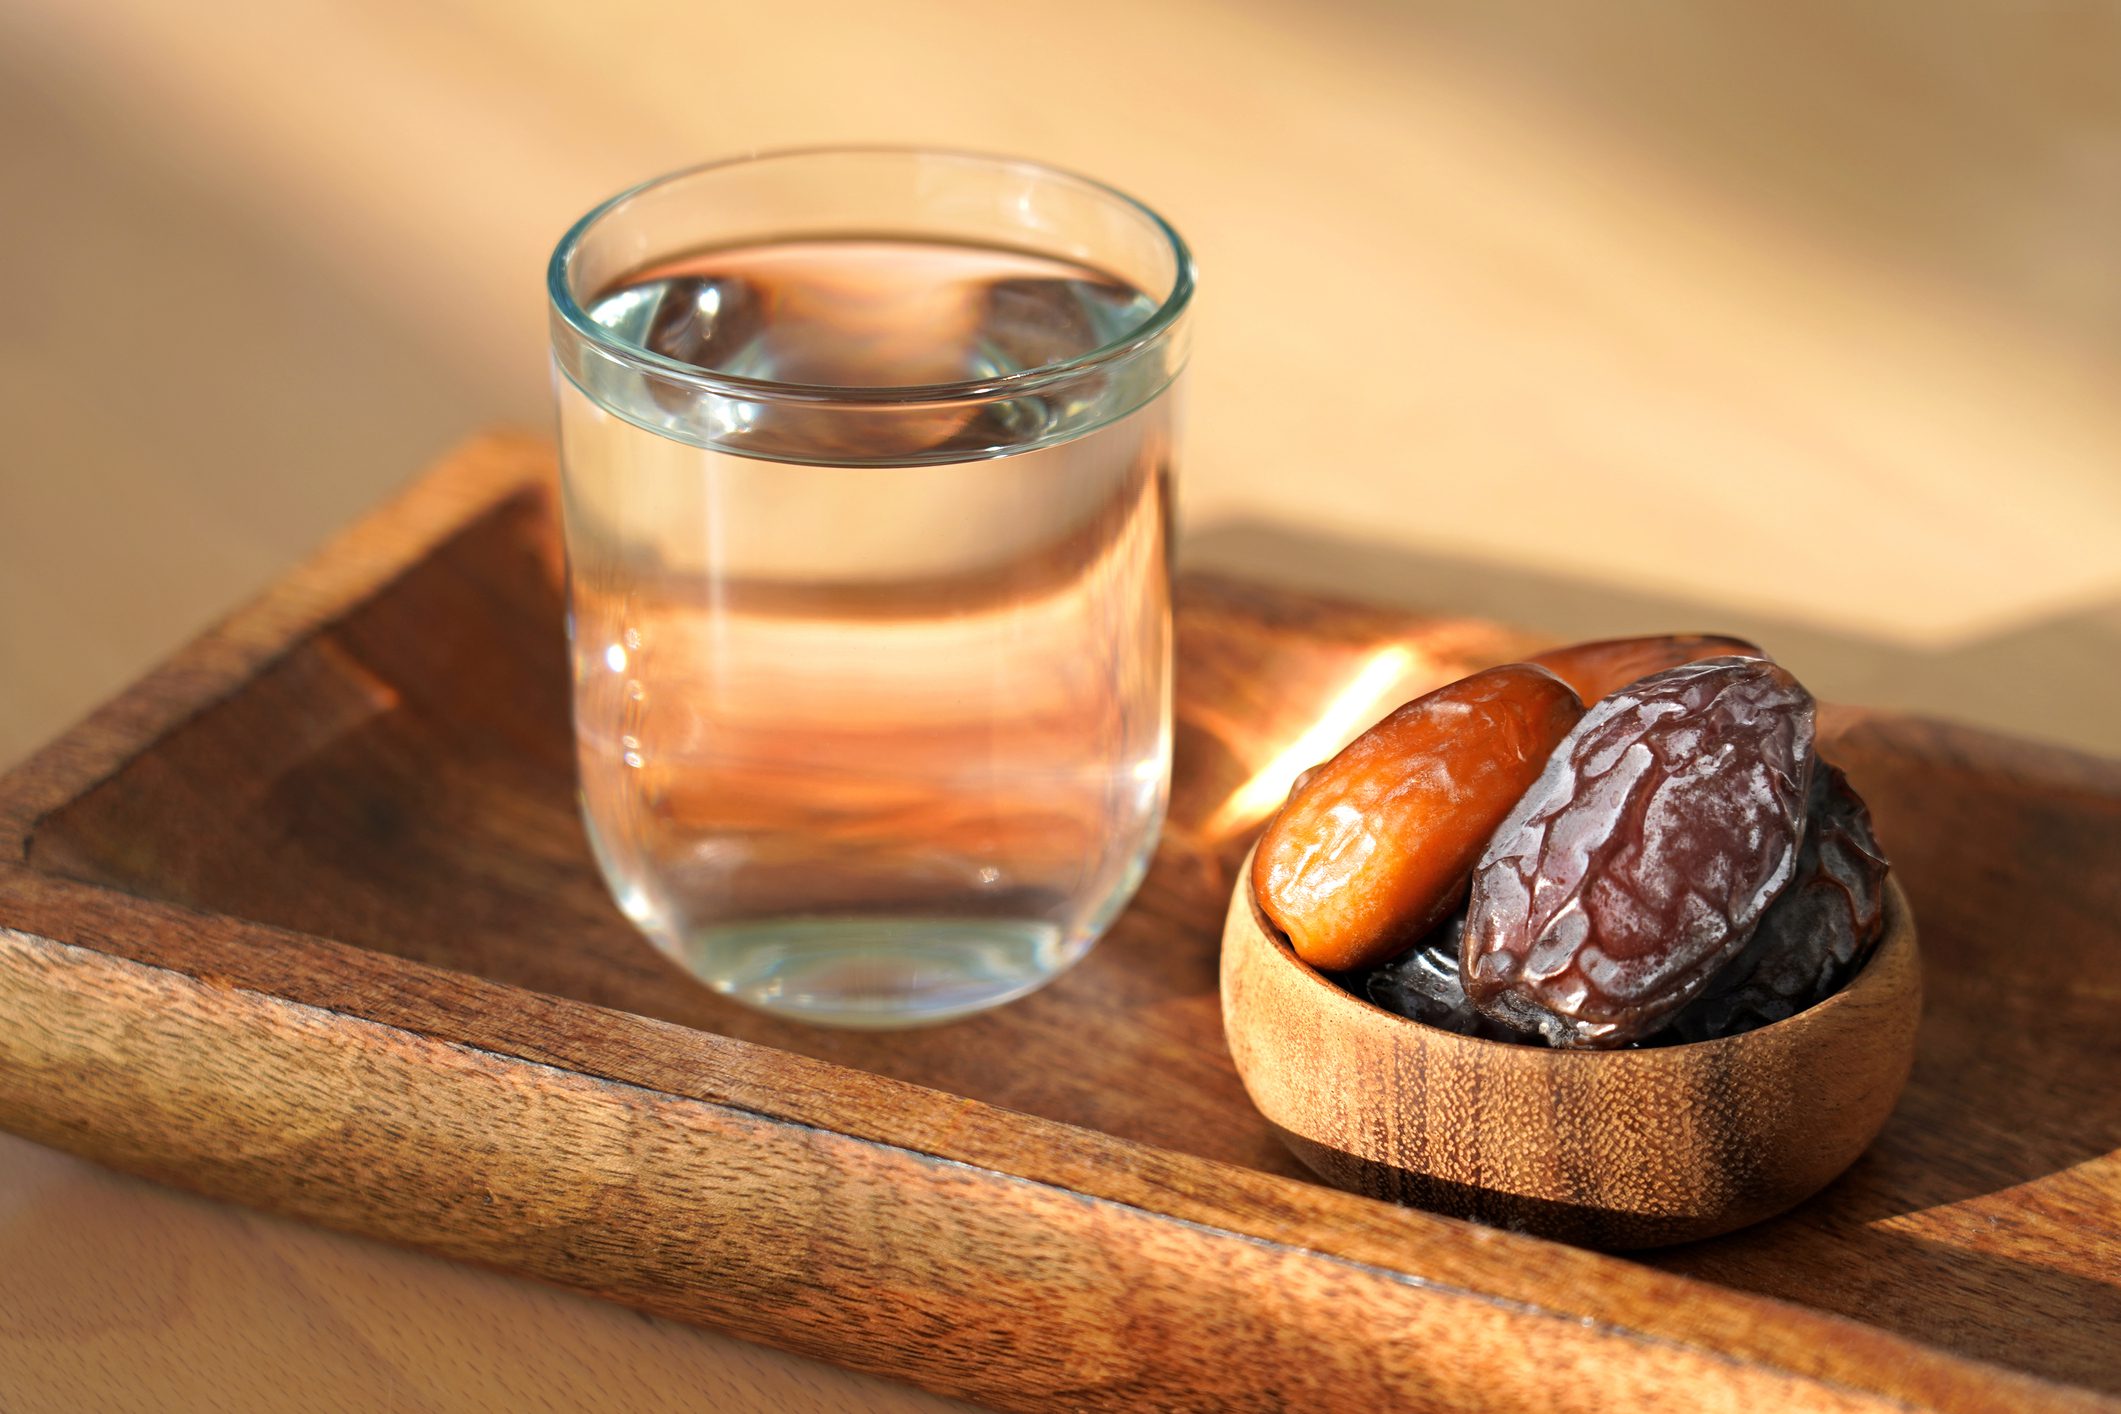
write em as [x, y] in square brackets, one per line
[1644, 856]
[1374, 848]
[1816, 935]
[1598, 669]
[1425, 985]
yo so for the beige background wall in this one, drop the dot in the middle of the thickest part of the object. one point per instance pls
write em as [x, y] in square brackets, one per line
[1803, 319]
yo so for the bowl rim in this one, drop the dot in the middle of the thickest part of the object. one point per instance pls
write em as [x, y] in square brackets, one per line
[1899, 932]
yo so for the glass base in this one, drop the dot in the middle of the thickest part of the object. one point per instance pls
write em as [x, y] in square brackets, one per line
[880, 972]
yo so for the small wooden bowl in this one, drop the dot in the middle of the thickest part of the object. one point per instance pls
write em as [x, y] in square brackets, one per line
[1613, 1149]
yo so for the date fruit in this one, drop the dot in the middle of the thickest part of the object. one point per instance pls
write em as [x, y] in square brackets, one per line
[1374, 849]
[1816, 935]
[1424, 985]
[1644, 856]
[1598, 669]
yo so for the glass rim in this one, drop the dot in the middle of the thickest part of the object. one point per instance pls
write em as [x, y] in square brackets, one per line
[1152, 328]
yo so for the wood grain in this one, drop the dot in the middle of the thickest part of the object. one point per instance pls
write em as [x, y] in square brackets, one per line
[384, 991]
[1621, 1149]
[1526, 300]
[975, 1281]
[127, 1297]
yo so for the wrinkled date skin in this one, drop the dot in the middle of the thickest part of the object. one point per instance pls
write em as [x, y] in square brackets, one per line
[1644, 856]
[1424, 985]
[1375, 848]
[1597, 670]
[1816, 935]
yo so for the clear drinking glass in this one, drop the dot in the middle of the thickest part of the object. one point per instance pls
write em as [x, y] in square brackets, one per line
[866, 469]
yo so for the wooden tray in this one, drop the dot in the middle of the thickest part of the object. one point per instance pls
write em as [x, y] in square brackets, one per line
[305, 920]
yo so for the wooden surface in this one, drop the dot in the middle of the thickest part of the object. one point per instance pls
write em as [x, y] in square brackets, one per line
[186, 1027]
[1572, 259]
[1615, 1150]
[125, 1295]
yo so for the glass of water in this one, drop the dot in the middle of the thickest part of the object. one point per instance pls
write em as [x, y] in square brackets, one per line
[866, 470]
